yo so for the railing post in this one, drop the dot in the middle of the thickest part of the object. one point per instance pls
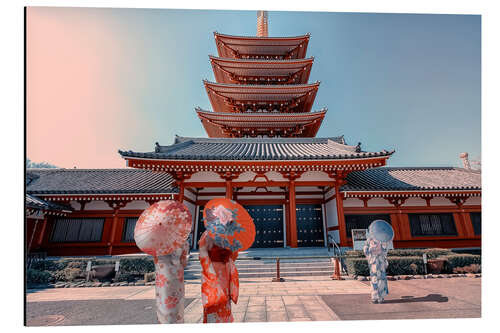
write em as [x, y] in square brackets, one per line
[278, 278]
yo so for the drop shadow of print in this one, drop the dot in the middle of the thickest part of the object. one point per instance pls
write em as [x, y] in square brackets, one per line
[410, 299]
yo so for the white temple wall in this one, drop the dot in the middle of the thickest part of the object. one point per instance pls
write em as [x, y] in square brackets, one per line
[192, 210]
[473, 201]
[97, 205]
[354, 202]
[205, 176]
[413, 201]
[332, 219]
[377, 202]
[274, 176]
[440, 201]
[246, 176]
[75, 205]
[136, 204]
[315, 176]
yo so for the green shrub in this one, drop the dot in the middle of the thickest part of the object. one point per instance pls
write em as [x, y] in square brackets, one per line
[431, 253]
[397, 266]
[137, 265]
[125, 277]
[34, 276]
[405, 266]
[68, 274]
[460, 260]
[48, 265]
[357, 266]
[355, 254]
[473, 268]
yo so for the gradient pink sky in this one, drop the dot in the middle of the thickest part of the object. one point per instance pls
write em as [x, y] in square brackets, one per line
[75, 112]
[103, 79]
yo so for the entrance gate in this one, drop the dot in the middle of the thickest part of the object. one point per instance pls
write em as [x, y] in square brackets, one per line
[310, 225]
[268, 220]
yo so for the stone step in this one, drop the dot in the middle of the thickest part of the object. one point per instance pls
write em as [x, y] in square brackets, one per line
[273, 269]
[194, 276]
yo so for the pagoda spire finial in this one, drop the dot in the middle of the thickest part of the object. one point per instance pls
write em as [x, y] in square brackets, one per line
[262, 23]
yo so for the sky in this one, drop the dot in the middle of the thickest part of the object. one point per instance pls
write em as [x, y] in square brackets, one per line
[99, 80]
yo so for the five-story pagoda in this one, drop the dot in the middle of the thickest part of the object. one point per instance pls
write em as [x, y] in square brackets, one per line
[261, 148]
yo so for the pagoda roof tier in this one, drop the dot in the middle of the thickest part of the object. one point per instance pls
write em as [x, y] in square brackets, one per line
[255, 149]
[252, 47]
[261, 71]
[237, 125]
[247, 98]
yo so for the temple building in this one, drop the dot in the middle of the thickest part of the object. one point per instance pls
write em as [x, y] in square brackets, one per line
[261, 151]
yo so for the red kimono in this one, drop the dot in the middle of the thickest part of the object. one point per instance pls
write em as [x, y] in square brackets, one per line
[219, 281]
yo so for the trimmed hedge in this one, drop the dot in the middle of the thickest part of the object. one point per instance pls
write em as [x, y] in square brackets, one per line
[460, 260]
[137, 265]
[34, 276]
[431, 253]
[411, 265]
[397, 266]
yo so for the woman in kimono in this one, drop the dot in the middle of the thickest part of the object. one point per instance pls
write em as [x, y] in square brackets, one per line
[170, 286]
[162, 231]
[219, 281]
[380, 234]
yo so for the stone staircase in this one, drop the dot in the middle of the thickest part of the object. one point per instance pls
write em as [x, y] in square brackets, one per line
[259, 263]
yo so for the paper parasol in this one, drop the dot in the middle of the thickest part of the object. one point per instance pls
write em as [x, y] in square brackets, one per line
[229, 224]
[163, 227]
[381, 230]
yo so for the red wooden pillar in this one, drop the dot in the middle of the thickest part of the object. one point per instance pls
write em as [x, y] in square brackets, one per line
[469, 229]
[229, 189]
[42, 231]
[115, 205]
[340, 215]
[293, 214]
[180, 197]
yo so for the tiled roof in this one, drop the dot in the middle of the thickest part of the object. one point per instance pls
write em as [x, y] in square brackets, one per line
[227, 45]
[37, 203]
[304, 124]
[99, 181]
[227, 70]
[256, 149]
[413, 179]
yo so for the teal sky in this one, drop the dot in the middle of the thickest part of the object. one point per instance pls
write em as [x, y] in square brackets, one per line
[409, 82]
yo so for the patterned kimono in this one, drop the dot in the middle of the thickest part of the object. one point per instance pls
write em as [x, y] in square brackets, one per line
[170, 286]
[219, 281]
[376, 253]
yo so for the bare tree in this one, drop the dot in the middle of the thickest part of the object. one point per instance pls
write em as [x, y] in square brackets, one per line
[41, 165]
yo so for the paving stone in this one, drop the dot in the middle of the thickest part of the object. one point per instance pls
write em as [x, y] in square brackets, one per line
[277, 316]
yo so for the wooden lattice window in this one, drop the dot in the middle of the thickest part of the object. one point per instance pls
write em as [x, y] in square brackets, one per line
[128, 229]
[78, 230]
[432, 225]
[476, 223]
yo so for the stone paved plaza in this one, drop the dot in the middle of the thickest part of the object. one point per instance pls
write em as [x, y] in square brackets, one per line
[296, 299]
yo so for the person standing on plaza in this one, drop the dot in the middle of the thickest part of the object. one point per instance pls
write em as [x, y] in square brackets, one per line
[229, 229]
[380, 234]
[162, 231]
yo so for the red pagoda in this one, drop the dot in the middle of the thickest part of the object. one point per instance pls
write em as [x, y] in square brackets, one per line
[261, 151]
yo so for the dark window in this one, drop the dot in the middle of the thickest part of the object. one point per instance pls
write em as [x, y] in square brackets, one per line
[78, 230]
[476, 223]
[432, 225]
[128, 229]
[362, 221]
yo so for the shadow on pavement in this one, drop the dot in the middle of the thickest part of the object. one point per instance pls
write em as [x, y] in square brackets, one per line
[410, 299]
